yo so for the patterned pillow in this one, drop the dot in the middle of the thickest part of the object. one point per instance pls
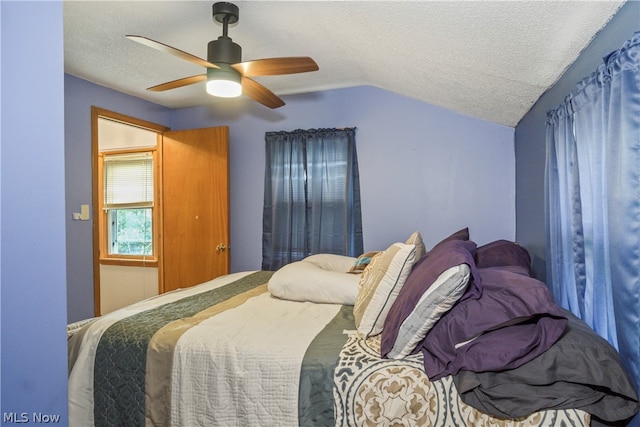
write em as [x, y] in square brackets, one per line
[362, 262]
[416, 239]
[379, 286]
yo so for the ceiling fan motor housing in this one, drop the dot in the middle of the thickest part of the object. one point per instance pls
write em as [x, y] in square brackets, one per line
[224, 50]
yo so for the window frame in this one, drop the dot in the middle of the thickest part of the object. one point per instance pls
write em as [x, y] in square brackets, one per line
[103, 213]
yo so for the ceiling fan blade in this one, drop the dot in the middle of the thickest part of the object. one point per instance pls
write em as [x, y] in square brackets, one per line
[178, 83]
[259, 93]
[171, 51]
[276, 66]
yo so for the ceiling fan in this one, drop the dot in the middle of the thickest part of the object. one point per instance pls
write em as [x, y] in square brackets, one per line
[226, 75]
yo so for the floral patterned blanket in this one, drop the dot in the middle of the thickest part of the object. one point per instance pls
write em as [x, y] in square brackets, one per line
[371, 391]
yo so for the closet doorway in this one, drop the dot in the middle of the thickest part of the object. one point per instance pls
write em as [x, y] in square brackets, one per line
[161, 200]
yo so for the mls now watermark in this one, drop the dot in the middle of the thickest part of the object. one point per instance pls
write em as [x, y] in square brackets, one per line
[33, 418]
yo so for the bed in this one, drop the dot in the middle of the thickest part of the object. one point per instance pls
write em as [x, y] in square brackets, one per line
[335, 340]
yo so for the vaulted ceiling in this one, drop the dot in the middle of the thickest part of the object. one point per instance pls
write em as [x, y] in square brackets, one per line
[486, 59]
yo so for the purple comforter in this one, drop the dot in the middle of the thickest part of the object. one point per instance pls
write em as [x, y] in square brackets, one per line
[511, 350]
[513, 321]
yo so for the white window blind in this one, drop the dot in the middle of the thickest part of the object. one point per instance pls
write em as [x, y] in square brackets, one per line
[128, 180]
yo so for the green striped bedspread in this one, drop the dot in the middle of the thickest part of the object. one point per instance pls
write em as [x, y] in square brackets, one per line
[225, 353]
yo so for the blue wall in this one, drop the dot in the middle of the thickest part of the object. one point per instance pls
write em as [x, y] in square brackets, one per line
[403, 144]
[530, 133]
[32, 238]
[416, 162]
[421, 167]
[80, 96]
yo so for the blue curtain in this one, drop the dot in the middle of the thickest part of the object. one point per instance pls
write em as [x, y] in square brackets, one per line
[311, 196]
[593, 202]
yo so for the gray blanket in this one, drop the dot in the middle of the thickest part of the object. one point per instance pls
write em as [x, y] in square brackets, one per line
[581, 370]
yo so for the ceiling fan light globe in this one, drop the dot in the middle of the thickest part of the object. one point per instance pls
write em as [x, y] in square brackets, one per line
[224, 88]
[224, 82]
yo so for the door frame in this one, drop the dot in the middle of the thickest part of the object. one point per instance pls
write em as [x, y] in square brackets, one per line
[96, 113]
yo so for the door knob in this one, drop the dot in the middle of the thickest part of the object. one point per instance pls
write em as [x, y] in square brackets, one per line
[221, 247]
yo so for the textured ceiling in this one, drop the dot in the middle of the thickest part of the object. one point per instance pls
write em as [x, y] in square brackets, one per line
[490, 60]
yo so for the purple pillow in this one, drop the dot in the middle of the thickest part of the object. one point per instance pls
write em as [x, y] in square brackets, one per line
[458, 235]
[503, 253]
[401, 327]
[517, 269]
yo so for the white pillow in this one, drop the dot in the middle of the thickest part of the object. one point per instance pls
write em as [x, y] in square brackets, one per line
[320, 278]
[380, 284]
[331, 262]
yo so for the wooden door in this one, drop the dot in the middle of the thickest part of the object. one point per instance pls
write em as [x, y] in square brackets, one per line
[195, 206]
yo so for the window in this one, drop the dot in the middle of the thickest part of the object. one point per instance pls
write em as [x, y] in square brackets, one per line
[130, 231]
[312, 196]
[128, 204]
